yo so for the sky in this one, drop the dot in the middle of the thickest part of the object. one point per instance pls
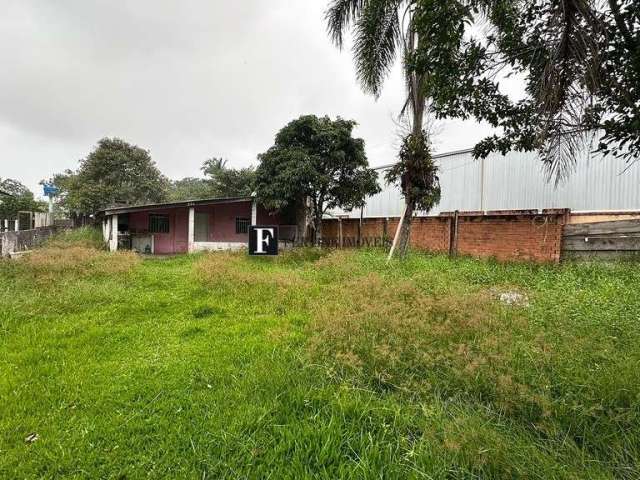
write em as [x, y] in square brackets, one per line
[185, 80]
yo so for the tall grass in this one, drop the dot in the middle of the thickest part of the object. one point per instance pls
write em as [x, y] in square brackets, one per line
[89, 237]
[316, 364]
[69, 254]
[562, 372]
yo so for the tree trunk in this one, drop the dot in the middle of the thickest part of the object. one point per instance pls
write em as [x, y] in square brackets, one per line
[301, 223]
[417, 102]
[405, 231]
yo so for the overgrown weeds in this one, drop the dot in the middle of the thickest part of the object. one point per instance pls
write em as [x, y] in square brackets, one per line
[72, 253]
[433, 330]
[54, 262]
[89, 237]
[324, 364]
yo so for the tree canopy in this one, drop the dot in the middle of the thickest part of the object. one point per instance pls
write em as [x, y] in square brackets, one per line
[580, 59]
[226, 181]
[315, 165]
[19, 199]
[115, 172]
[220, 181]
[190, 188]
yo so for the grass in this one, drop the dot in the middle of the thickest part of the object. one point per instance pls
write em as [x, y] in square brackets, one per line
[315, 365]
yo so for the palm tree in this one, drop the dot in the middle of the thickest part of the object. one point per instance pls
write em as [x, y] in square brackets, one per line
[383, 29]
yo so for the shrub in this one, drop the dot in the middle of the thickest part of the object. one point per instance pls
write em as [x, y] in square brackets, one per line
[89, 237]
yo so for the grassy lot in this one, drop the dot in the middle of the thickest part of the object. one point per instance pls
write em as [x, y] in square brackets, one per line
[324, 365]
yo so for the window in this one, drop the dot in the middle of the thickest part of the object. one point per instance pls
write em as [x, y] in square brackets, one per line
[242, 225]
[158, 223]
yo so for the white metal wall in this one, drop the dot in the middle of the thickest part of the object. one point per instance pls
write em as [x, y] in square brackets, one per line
[518, 181]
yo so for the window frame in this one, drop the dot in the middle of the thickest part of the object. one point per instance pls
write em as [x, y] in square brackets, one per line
[153, 228]
[242, 225]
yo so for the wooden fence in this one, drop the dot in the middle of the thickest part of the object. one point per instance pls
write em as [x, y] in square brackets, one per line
[602, 239]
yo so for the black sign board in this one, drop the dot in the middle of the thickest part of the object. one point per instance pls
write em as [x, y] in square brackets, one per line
[263, 240]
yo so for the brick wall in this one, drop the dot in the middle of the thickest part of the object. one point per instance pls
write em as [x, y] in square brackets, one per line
[507, 235]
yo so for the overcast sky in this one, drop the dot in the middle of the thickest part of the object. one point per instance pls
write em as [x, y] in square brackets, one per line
[185, 80]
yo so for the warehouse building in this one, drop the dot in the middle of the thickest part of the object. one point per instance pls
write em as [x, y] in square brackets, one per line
[604, 186]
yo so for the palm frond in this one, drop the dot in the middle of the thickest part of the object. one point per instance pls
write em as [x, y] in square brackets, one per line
[340, 15]
[377, 37]
[569, 76]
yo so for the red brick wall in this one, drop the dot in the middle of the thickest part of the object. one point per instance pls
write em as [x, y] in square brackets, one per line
[430, 233]
[530, 237]
[503, 235]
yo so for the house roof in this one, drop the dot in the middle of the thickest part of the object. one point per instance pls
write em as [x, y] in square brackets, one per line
[184, 203]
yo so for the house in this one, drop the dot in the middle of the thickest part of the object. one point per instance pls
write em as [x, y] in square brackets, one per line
[188, 226]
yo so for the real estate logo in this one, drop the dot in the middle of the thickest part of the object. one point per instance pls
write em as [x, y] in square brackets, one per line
[263, 240]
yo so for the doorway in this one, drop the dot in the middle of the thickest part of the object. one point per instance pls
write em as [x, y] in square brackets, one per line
[201, 228]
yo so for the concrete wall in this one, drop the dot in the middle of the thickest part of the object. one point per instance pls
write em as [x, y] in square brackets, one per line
[22, 240]
[222, 221]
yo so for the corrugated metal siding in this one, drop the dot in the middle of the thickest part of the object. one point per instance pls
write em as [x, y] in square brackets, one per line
[518, 181]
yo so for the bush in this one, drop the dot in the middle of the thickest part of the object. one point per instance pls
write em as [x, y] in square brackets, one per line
[90, 237]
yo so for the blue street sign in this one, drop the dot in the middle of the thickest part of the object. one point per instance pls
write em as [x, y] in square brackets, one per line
[50, 190]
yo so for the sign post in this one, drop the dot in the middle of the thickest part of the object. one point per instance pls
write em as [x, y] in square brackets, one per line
[50, 191]
[263, 240]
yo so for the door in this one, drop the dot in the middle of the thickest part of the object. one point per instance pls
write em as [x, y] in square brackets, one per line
[201, 228]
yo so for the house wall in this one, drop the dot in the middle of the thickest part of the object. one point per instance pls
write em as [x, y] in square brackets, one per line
[222, 226]
[222, 221]
[173, 242]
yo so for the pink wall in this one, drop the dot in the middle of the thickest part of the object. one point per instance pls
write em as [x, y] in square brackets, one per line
[222, 224]
[222, 221]
[173, 242]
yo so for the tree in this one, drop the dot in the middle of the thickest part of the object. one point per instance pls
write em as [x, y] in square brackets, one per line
[18, 198]
[381, 28]
[228, 182]
[114, 173]
[315, 165]
[190, 188]
[581, 61]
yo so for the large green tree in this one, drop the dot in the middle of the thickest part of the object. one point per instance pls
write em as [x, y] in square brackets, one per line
[190, 188]
[315, 165]
[220, 181]
[115, 172]
[17, 198]
[580, 60]
[226, 181]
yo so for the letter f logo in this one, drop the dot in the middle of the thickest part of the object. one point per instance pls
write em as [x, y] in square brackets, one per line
[263, 240]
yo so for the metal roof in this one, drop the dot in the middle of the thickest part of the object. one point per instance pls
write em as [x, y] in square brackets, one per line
[183, 203]
[435, 156]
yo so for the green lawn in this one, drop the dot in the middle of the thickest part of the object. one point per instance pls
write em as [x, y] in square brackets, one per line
[329, 365]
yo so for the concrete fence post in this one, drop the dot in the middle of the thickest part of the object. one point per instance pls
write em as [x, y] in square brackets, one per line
[113, 236]
[191, 230]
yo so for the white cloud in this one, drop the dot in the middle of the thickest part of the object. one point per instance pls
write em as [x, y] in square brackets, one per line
[184, 80]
